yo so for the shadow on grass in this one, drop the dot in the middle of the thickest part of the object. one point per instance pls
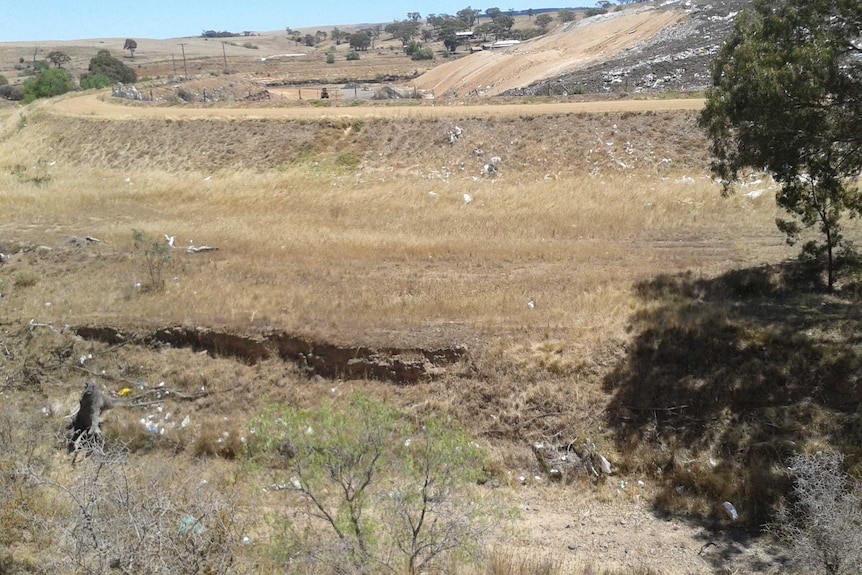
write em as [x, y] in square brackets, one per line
[726, 377]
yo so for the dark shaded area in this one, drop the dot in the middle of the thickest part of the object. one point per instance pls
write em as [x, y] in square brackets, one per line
[726, 377]
[85, 427]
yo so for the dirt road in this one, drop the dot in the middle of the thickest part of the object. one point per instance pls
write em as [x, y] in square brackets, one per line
[101, 105]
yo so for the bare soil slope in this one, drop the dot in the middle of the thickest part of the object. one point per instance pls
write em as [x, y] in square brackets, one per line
[574, 45]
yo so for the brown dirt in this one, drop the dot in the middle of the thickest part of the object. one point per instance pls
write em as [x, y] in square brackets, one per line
[574, 45]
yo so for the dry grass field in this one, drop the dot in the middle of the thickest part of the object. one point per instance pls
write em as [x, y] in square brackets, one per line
[589, 291]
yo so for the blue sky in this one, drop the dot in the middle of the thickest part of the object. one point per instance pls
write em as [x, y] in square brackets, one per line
[40, 20]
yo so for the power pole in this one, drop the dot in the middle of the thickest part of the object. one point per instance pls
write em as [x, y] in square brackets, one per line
[225, 57]
[185, 68]
[174, 61]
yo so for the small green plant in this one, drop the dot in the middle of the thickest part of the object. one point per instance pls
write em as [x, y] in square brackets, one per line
[354, 55]
[154, 255]
[391, 494]
[330, 58]
[25, 278]
[346, 160]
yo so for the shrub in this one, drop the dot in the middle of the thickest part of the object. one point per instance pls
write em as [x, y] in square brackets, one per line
[11, 92]
[566, 16]
[25, 278]
[3, 80]
[411, 47]
[423, 54]
[123, 518]
[154, 255]
[330, 58]
[47, 84]
[376, 489]
[353, 55]
[822, 525]
[95, 81]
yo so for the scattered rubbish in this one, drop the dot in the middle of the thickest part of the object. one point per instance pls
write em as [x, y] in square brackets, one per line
[190, 525]
[192, 249]
[605, 465]
[455, 134]
[730, 510]
[468, 198]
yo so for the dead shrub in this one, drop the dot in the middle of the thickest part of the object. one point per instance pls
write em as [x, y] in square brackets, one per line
[822, 521]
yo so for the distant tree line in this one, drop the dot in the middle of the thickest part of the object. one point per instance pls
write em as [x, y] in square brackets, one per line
[222, 34]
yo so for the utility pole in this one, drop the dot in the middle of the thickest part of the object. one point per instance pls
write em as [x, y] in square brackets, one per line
[225, 57]
[174, 60]
[185, 68]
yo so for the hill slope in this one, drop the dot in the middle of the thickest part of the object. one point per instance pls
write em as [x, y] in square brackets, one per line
[569, 47]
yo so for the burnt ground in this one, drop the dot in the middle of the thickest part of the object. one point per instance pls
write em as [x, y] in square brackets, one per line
[675, 60]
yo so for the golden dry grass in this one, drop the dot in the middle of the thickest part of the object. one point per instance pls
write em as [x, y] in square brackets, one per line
[332, 244]
[300, 251]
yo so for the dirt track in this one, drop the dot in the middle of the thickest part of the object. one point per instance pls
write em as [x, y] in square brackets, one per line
[97, 105]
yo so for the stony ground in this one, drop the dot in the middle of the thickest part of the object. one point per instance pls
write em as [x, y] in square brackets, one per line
[677, 58]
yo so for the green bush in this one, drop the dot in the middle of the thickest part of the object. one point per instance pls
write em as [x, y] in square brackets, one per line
[3, 80]
[379, 491]
[411, 47]
[95, 81]
[49, 83]
[423, 54]
[330, 58]
[353, 55]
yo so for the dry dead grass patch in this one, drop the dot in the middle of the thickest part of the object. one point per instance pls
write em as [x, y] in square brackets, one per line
[307, 249]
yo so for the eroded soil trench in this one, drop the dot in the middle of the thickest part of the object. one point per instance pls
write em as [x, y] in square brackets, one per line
[403, 366]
